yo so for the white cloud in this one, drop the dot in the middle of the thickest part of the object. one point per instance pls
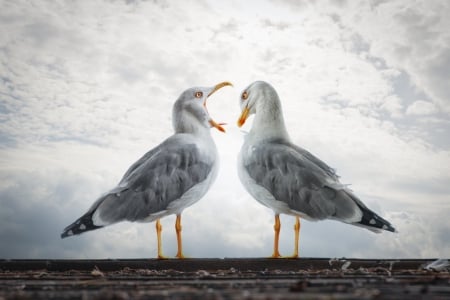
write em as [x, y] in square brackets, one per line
[421, 107]
[87, 88]
[393, 105]
[412, 228]
[411, 36]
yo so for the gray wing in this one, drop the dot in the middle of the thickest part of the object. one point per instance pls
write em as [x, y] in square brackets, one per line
[296, 177]
[317, 162]
[161, 176]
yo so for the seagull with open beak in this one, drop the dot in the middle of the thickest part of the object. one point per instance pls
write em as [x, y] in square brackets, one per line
[170, 177]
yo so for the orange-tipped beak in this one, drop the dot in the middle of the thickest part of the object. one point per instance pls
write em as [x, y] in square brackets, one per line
[217, 87]
[243, 117]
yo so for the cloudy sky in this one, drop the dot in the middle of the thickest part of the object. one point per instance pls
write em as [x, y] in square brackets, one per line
[87, 87]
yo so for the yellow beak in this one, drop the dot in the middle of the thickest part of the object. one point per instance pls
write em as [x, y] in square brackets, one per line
[243, 117]
[217, 87]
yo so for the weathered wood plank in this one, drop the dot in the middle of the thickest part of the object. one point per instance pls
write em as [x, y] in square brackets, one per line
[189, 265]
[230, 278]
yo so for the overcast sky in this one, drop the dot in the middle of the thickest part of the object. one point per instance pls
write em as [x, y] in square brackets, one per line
[87, 87]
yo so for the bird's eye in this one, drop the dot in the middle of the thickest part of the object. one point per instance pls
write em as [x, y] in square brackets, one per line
[244, 95]
[198, 94]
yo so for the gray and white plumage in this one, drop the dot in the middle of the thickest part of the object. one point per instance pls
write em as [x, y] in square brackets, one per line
[287, 178]
[167, 179]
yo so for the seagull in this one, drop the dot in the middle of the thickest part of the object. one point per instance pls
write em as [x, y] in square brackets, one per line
[167, 179]
[288, 179]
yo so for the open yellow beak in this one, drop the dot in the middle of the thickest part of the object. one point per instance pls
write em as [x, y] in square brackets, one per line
[243, 117]
[217, 87]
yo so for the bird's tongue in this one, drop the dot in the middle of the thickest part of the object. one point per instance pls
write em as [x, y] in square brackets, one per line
[217, 125]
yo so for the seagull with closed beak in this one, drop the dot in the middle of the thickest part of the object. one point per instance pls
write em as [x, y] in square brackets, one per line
[288, 179]
[167, 179]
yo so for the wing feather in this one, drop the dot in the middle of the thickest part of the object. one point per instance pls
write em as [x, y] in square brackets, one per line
[305, 183]
[160, 177]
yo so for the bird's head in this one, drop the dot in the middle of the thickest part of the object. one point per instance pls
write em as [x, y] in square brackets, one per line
[190, 112]
[256, 94]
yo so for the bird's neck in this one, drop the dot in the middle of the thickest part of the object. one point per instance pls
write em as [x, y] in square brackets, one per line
[269, 121]
[185, 123]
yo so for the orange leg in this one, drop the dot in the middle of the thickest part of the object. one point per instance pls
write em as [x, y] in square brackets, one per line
[276, 227]
[179, 241]
[158, 233]
[297, 236]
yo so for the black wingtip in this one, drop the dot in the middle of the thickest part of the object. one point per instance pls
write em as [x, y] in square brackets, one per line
[388, 227]
[64, 235]
[68, 232]
[372, 220]
[81, 225]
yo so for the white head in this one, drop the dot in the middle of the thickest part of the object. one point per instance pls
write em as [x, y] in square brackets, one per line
[189, 112]
[260, 95]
